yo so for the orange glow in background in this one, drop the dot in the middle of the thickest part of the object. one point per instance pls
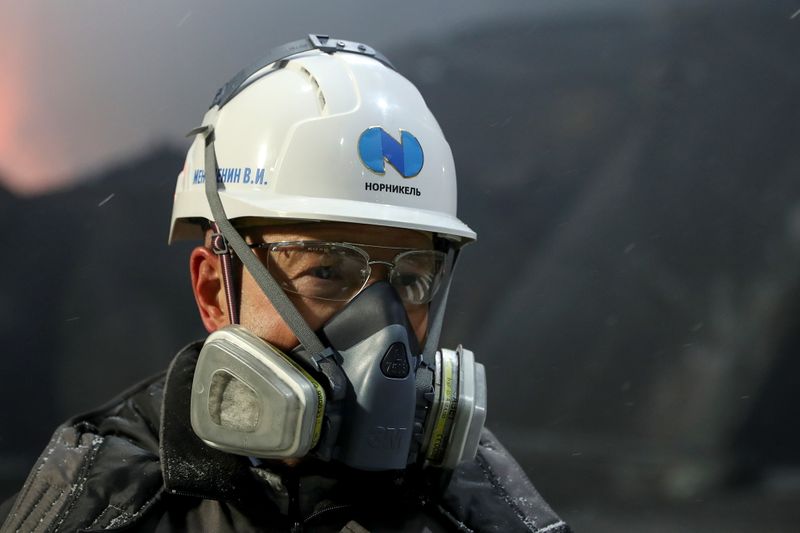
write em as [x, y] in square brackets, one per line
[13, 104]
[27, 150]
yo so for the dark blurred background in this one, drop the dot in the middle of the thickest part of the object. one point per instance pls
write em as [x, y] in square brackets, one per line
[632, 171]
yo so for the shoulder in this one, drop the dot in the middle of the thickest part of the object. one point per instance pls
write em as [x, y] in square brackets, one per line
[98, 468]
[492, 493]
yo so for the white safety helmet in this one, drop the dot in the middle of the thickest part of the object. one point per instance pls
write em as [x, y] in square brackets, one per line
[324, 135]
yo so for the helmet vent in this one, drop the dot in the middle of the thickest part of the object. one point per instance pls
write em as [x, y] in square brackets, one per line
[320, 96]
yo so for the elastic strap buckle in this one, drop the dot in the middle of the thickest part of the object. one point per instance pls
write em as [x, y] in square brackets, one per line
[327, 353]
[219, 244]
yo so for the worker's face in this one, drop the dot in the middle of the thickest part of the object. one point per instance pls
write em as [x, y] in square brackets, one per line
[257, 313]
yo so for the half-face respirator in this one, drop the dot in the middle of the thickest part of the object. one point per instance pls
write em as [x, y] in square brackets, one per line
[251, 399]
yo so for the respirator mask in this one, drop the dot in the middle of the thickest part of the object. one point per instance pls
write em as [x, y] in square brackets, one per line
[359, 391]
[393, 409]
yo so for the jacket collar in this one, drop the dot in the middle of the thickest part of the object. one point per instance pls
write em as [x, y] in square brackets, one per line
[191, 467]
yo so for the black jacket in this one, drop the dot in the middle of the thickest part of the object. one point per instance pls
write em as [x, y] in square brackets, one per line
[136, 465]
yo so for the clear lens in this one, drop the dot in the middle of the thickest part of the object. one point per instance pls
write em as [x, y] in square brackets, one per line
[327, 271]
[417, 275]
[338, 271]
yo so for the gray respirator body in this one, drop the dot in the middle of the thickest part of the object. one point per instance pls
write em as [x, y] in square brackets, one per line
[392, 409]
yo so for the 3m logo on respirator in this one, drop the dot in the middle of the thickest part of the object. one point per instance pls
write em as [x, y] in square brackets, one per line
[376, 148]
[383, 438]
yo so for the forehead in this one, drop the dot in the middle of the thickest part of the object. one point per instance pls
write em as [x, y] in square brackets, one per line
[340, 232]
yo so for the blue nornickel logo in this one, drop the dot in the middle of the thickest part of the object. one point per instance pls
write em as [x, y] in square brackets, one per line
[376, 148]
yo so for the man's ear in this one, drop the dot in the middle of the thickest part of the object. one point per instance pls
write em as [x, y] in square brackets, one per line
[209, 292]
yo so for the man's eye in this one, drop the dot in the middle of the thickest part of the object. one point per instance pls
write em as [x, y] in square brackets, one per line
[325, 272]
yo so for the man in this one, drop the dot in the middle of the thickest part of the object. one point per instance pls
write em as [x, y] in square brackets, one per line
[325, 192]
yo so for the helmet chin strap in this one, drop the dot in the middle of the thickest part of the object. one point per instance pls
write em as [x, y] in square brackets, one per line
[278, 298]
[325, 361]
[437, 307]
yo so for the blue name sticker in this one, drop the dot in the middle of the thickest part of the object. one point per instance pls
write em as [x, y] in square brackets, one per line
[246, 175]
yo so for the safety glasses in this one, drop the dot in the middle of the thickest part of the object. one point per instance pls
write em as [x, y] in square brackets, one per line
[338, 271]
